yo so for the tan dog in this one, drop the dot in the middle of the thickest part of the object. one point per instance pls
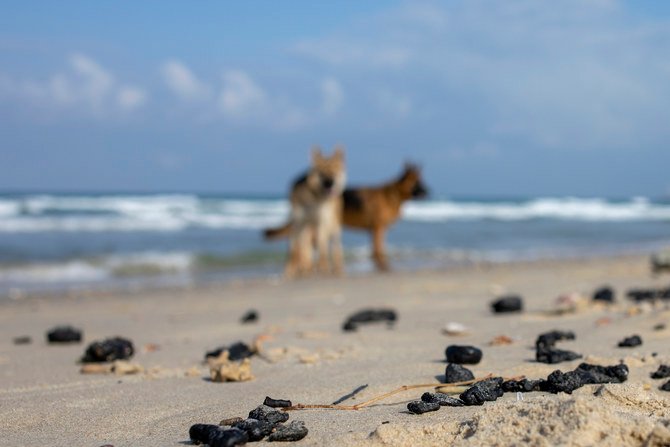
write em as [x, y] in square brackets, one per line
[373, 209]
[316, 207]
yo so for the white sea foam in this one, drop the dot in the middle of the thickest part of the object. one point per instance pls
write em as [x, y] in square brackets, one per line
[99, 268]
[173, 213]
[592, 210]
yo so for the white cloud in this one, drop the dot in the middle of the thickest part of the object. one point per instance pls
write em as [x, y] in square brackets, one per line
[86, 86]
[92, 83]
[129, 97]
[181, 80]
[241, 96]
[582, 73]
[333, 96]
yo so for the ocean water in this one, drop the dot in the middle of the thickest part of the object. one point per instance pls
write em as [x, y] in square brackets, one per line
[55, 242]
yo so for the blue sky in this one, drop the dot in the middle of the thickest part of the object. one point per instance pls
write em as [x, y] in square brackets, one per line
[493, 98]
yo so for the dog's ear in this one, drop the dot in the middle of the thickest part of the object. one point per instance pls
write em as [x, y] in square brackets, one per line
[316, 154]
[409, 166]
[339, 152]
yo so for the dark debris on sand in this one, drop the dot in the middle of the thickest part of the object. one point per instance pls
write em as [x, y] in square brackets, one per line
[584, 374]
[250, 317]
[604, 294]
[237, 351]
[277, 403]
[442, 399]
[522, 386]
[465, 355]
[485, 391]
[457, 373]
[294, 431]
[263, 422]
[420, 406]
[367, 316]
[648, 294]
[630, 342]
[662, 372]
[108, 350]
[507, 304]
[545, 352]
[64, 334]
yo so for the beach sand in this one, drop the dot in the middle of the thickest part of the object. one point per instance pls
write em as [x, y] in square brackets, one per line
[45, 400]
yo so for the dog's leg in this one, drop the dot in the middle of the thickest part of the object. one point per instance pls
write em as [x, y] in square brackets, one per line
[322, 242]
[293, 261]
[306, 250]
[378, 253]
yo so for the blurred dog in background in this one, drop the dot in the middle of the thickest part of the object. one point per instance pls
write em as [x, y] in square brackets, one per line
[316, 208]
[373, 209]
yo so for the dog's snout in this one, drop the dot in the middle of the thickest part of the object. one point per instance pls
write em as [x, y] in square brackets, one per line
[327, 182]
[419, 191]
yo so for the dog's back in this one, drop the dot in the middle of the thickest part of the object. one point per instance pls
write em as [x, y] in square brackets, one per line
[380, 206]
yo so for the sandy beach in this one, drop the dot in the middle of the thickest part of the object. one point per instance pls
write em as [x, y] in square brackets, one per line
[308, 359]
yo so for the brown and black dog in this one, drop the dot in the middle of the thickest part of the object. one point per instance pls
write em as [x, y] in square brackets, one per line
[373, 209]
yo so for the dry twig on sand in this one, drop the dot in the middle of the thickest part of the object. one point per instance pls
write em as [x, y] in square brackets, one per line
[441, 386]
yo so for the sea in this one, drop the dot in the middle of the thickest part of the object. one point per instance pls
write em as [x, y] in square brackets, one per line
[54, 243]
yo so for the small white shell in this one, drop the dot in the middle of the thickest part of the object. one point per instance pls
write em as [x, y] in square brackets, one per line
[454, 328]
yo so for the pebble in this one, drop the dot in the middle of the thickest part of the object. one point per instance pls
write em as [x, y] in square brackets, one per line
[605, 294]
[369, 316]
[420, 407]
[486, 390]
[64, 334]
[294, 431]
[22, 340]
[441, 399]
[268, 414]
[662, 372]
[507, 304]
[111, 349]
[665, 386]
[457, 373]
[466, 355]
[630, 342]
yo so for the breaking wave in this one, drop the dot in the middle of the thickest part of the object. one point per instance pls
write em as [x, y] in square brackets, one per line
[173, 213]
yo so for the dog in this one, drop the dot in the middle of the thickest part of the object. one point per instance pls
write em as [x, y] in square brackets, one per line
[315, 219]
[373, 209]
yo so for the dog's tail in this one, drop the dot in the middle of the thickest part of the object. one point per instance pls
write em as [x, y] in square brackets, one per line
[271, 234]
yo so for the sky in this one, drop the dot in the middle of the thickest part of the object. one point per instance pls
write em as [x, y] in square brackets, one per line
[491, 98]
